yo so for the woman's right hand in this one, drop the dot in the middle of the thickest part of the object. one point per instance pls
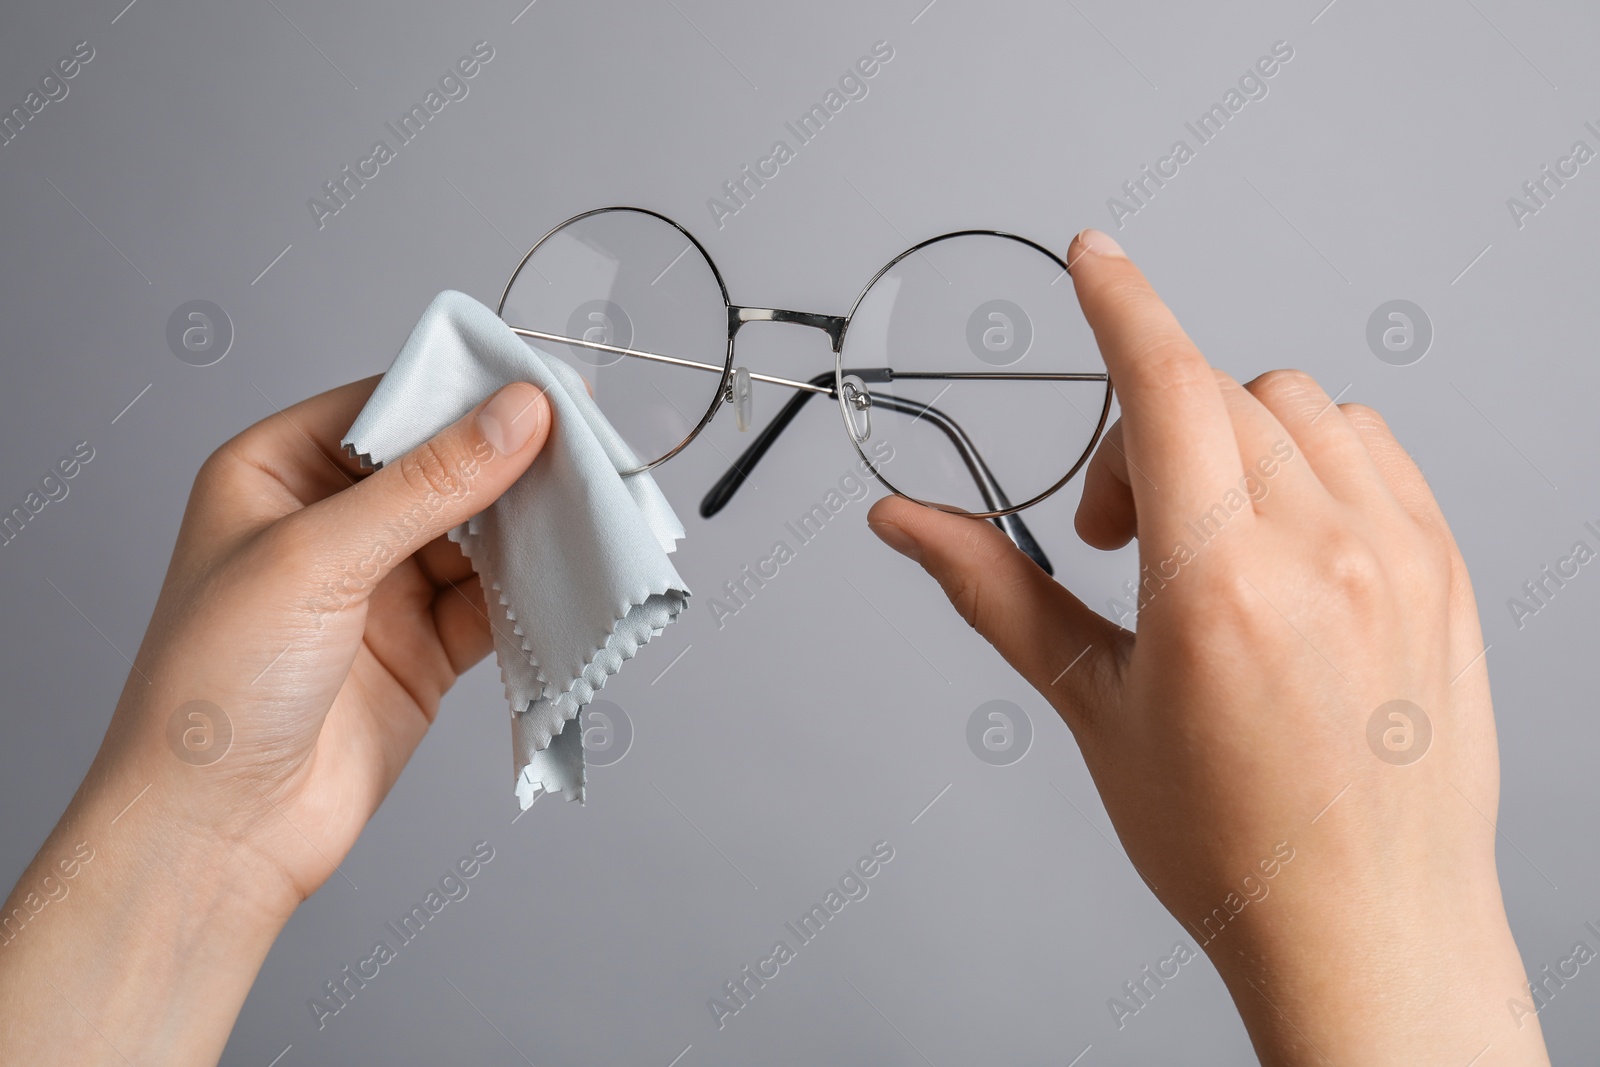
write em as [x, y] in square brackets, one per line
[1298, 748]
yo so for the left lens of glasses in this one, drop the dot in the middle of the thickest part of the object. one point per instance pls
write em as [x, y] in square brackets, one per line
[622, 279]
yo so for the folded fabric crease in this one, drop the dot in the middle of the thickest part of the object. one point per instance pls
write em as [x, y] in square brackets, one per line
[575, 554]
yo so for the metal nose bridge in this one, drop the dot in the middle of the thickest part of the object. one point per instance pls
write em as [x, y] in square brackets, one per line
[832, 325]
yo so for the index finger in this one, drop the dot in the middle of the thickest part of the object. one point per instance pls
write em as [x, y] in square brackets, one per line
[291, 458]
[1176, 427]
[302, 442]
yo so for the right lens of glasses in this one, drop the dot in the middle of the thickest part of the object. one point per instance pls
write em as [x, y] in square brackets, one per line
[627, 279]
[981, 305]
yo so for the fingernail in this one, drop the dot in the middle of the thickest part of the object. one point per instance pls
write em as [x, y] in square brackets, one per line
[510, 418]
[1102, 244]
[897, 539]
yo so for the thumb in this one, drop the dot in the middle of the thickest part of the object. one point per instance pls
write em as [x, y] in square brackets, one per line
[1061, 647]
[365, 531]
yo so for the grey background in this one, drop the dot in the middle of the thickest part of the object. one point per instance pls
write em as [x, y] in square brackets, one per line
[815, 722]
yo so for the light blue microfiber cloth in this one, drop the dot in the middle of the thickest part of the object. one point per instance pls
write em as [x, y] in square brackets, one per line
[572, 558]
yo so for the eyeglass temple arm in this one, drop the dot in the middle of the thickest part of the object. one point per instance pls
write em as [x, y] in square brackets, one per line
[982, 476]
[722, 491]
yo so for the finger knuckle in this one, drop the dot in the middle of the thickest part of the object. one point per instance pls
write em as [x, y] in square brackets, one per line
[1225, 589]
[215, 471]
[431, 470]
[1364, 417]
[971, 587]
[964, 592]
[1130, 294]
[1171, 364]
[1283, 385]
[1350, 572]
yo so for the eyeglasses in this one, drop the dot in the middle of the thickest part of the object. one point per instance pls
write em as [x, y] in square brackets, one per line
[965, 376]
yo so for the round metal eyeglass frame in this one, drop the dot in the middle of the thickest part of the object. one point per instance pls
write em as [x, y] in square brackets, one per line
[1000, 508]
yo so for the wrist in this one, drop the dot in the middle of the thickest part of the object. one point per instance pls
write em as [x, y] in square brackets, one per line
[174, 827]
[1382, 978]
[154, 928]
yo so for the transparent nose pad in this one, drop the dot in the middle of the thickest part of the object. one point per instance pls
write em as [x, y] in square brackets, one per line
[740, 396]
[857, 408]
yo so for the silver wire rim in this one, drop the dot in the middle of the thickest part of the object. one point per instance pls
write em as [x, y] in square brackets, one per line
[727, 359]
[838, 384]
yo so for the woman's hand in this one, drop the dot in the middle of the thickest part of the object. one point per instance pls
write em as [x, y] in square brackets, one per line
[311, 618]
[1298, 748]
